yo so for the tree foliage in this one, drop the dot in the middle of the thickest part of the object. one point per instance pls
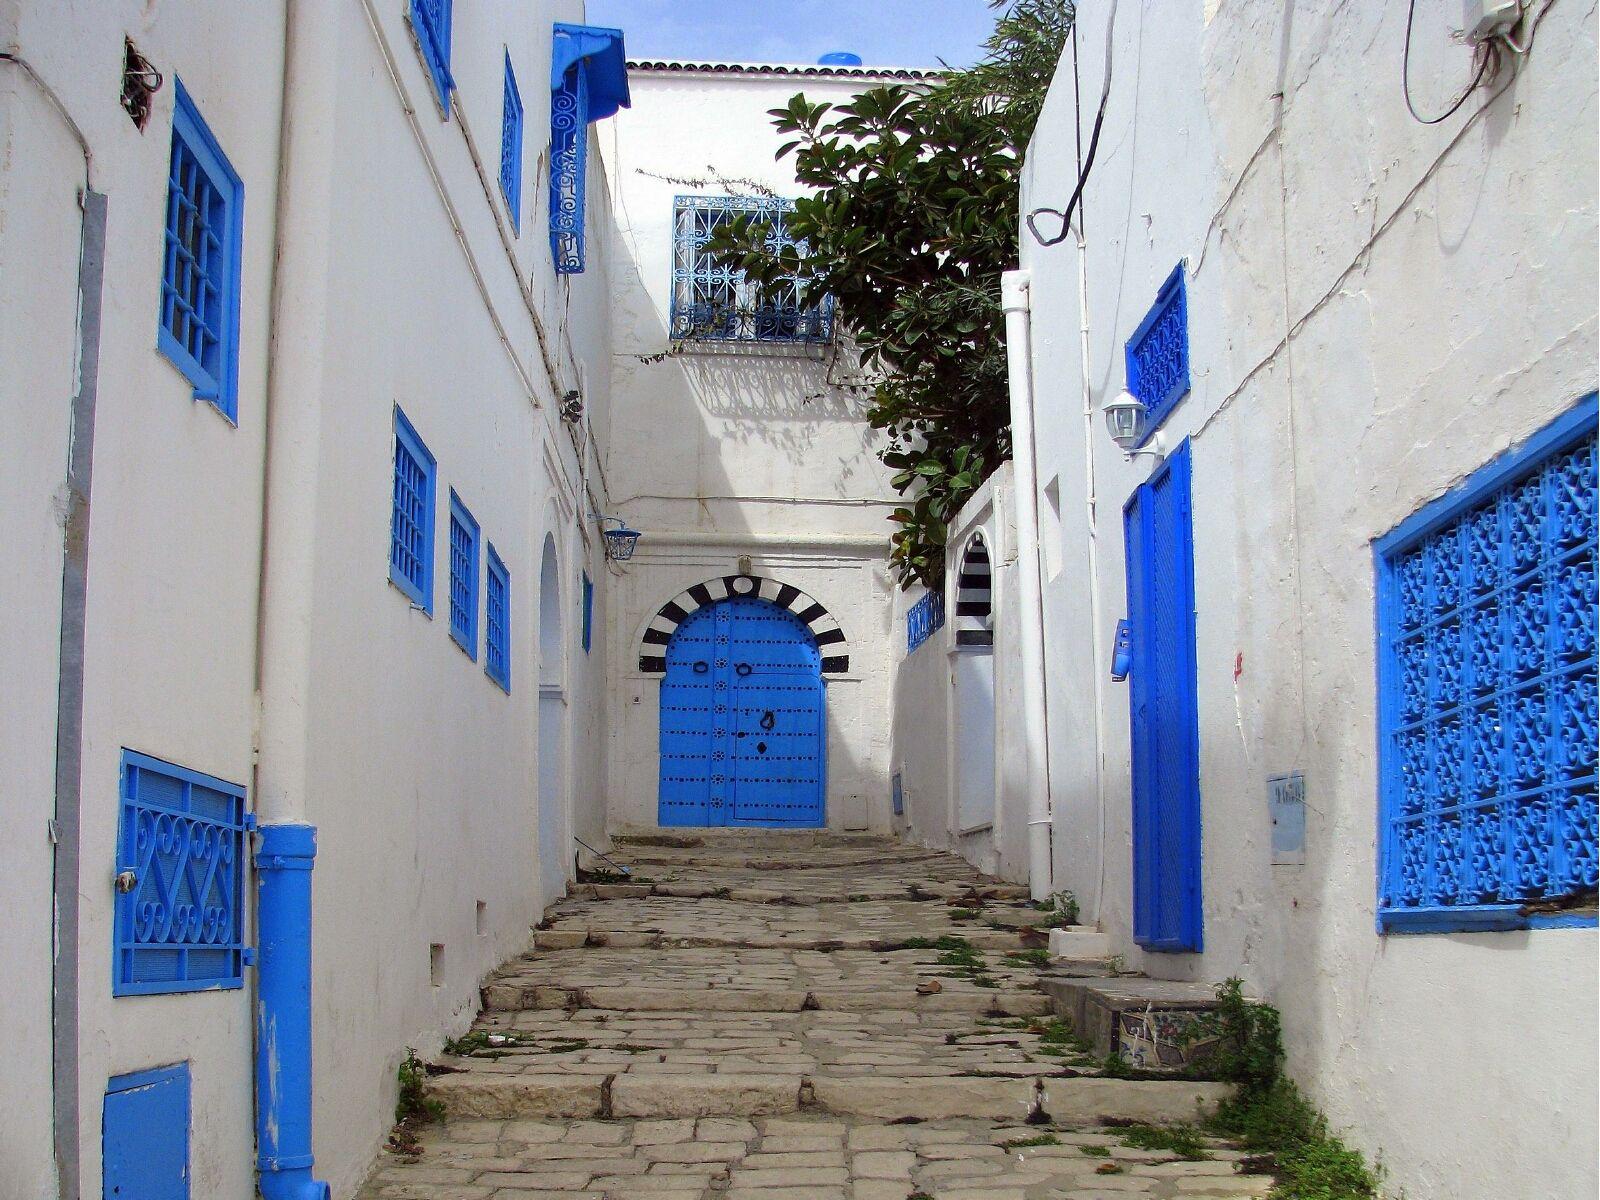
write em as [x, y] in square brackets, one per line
[912, 219]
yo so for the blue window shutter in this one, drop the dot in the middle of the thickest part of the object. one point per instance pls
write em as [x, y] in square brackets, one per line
[713, 304]
[181, 834]
[411, 522]
[200, 271]
[1157, 355]
[497, 620]
[588, 612]
[144, 1134]
[1487, 692]
[511, 148]
[463, 577]
[430, 23]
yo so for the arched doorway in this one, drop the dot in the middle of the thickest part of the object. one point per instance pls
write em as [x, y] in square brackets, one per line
[554, 838]
[974, 690]
[743, 719]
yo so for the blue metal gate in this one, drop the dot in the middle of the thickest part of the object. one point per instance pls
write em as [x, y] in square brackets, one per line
[1159, 530]
[743, 723]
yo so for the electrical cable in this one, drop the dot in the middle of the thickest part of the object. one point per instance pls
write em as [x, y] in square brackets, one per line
[1088, 161]
[1487, 51]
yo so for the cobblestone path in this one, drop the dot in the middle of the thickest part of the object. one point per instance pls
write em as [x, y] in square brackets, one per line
[790, 1016]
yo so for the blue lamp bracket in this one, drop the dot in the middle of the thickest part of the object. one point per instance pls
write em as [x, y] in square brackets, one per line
[1121, 652]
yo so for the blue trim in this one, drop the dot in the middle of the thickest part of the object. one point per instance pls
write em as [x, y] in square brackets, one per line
[1411, 538]
[181, 928]
[1156, 357]
[284, 863]
[411, 515]
[147, 1077]
[511, 137]
[194, 146]
[430, 22]
[144, 1133]
[463, 577]
[588, 612]
[1164, 722]
[497, 619]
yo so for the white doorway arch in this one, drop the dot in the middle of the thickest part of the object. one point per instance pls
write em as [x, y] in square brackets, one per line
[555, 818]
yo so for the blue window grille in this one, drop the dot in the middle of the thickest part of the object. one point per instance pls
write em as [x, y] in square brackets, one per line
[411, 526]
[463, 577]
[1157, 355]
[1487, 692]
[715, 303]
[179, 926]
[430, 23]
[588, 82]
[924, 619]
[511, 148]
[497, 621]
[588, 612]
[199, 326]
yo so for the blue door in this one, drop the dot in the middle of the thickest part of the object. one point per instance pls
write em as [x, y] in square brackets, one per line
[1159, 529]
[743, 728]
[144, 1138]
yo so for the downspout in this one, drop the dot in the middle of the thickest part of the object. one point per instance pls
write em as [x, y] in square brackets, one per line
[1014, 300]
[285, 616]
[66, 824]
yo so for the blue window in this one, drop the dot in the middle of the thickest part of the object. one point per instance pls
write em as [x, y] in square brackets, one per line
[588, 82]
[588, 612]
[430, 22]
[1157, 355]
[463, 577]
[711, 303]
[199, 326]
[144, 1134]
[924, 618]
[511, 148]
[497, 621]
[411, 527]
[181, 841]
[1487, 692]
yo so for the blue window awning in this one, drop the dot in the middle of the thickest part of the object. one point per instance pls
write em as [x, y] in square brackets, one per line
[604, 60]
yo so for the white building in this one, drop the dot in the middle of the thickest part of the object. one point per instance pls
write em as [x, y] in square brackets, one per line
[1355, 335]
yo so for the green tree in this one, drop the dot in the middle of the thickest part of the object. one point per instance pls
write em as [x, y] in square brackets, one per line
[912, 220]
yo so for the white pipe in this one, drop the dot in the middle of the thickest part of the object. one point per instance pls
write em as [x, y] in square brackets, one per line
[1014, 300]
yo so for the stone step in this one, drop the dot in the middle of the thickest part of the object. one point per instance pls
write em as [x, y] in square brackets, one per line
[513, 996]
[1079, 943]
[1153, 1024]
[575, 936]
[483, 1094]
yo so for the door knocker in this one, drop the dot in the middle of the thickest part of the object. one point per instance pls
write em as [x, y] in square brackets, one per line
[743, 669]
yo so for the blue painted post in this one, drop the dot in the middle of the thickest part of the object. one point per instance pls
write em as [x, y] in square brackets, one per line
[283, 1014]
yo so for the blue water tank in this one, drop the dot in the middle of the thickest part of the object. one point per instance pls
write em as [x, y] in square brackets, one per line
[839, 58]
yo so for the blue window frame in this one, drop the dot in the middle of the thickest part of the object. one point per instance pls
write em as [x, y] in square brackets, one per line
[712, 303]
[430, 22]
[511, 148]
[463, 577]
[144, 1134]
[924, 619]
[411, 525]
[181, 834]
[588, 82]
[1487, 692]
[1157, 355]
[588, 612]
[199, 321]
[497, 621]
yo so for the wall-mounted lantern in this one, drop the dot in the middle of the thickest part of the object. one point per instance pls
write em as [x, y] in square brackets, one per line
[1125, 421]
[620, 541]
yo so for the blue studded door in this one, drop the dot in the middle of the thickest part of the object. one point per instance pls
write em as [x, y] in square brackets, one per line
[743, 723]
[1163, 713]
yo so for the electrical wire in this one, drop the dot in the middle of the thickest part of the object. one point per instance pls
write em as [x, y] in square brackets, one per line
[1486, 51]
[1065, 214]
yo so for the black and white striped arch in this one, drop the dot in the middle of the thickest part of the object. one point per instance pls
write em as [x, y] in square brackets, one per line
[830, 638]
[974, 596]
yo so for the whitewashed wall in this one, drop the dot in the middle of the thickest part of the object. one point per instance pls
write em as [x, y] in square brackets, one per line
[1437, 289]
[714, 454]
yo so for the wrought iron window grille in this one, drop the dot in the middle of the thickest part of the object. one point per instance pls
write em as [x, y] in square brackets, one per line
[497, 620]
[430, 24]
[511, 126]
[569, 167]
[712, 302]
[1157, 355]
[923, 620]
[1488, 694]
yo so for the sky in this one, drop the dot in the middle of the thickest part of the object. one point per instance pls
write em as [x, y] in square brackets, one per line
[885, 33]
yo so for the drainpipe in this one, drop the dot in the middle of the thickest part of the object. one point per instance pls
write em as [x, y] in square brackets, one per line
[285, 603]
[1014, 300]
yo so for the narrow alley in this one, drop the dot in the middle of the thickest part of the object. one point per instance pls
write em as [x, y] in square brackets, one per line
[792, 1016]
